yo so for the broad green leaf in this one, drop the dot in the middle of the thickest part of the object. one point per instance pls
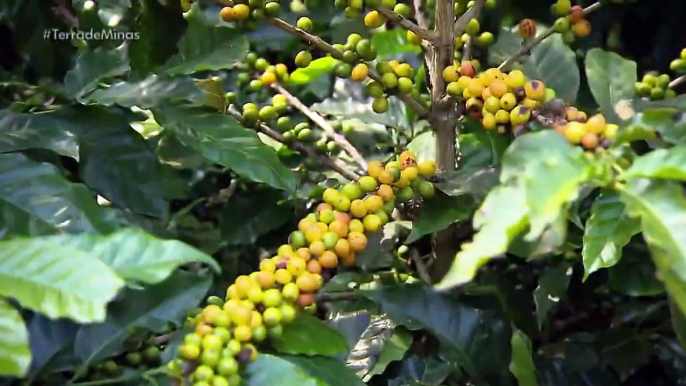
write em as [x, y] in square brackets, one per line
[48, 339]
[56, 280]
[478, 147]
[421, 370]
[136, 255]
[552, 172]
[522, 365]
[473, 339]
[35, 131]
[206, 48]
[551, 289]
[394, 350]
[150, 308]
[16, 222]
[350, 108]
[393, 42]
[247, 217]
[661, 163]
[551, 62]
[148, 93]
[439, 213]
[634, 275]
[501, 217]
[611, 79]
[15, 355]
[308, 335]
[160, 27]
[669, 123]
[270, 370]
[607, 231]
[39, 190]
[328, 371]
[472, 182]
[661, 207]
[317, 68]
[93, 66]
[222, 139]
[424, 146]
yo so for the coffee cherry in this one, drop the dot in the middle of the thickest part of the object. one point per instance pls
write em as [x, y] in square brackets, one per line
[359, 72]
[241, 12]
[227, 14]
[561, 25]
[527, 29]
[473, 27]
[303, 59]
[582, 28]
[374, 19]
[413, 38]
[305, 24]
[575, 14]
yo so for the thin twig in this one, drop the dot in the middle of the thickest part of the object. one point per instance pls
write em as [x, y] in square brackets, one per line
[472, 13]
[467, 49]
[526, 49]
[425, 34]
[419, 265]
[676, 82]
[323, 46]
[324, 125]
[420, 15]
[295, 145]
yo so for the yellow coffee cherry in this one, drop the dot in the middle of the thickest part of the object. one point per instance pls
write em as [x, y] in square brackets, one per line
[488, 121]
[502, 116]
[575, 131]
[535, 90]
[498, 88]
[610, 131]
[520, 115]
[476, 87]
[492, 105]
[515, 79]
[596, 124]
[450, 74]
[508, 101]
[427, 168]
[530, 103]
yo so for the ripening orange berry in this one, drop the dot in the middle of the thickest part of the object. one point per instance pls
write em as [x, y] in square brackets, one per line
[527, 28]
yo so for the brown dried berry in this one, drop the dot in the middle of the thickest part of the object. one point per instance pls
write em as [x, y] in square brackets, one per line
[527, 28]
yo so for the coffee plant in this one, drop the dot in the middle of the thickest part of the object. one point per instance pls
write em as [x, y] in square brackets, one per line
[341, 193]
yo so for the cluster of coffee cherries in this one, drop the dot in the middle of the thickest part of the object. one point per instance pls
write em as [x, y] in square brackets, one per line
[570, 23]
[259, 72]
[679, 64]
[480, 39]
[655, 86]
[588, 132]
[395, 76]
[229, 331]
[500, 100]
[243, 10]
[141, 355]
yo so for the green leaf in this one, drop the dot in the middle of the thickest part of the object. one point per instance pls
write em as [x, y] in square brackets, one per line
[246, 217]
[206, 48]
[473, 339]
[611, 79]
[34, 131]
[501, 217]
[16, 222]
[471, 182]
[420, 370]
[269, 370]
[552, 288]
[552, 172]
[317, 68]
[56, 280]
[350, 108]
[678, 323]
[661, 206]
[160, 27]
[479, 147]
[424, 146]
[393, 42]
[522, 365]
[310, 336]
[39, 190]
[136, 255]
[328, 371]
[49, 339]
[15, 355]
[634, 275]
[151, 308]
[439, 213]
[607, 231]
[148, 93]
[669, 123]
[92, 66]
[661, 163]
[394, 350]
[551, 62]
[222, 139]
